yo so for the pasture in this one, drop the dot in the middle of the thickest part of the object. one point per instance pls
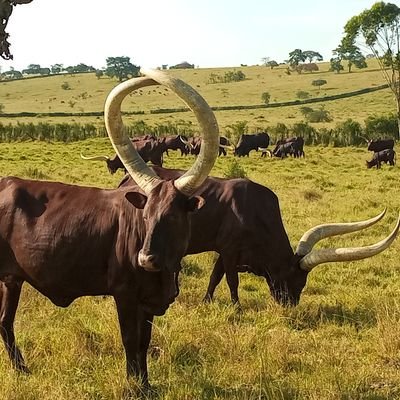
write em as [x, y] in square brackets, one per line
[86, 93]
[341, 342]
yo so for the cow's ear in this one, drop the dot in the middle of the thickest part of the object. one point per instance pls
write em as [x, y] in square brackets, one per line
[195, 203]
[136, 198]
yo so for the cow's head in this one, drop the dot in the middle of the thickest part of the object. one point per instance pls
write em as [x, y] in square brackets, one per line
[113, 164]
[286, 286]
[166, 204]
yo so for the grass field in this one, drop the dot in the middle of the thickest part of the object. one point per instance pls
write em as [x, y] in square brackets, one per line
[341, 342]
[87, 93]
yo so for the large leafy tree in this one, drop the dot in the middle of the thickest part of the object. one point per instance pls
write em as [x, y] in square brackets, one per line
[350, 53]
[296, 57]
[310, 55]
[121, 68]
[378, 29]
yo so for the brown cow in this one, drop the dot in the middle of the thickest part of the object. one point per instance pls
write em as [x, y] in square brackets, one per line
[150, 150]
[241, 220]
[195, 145]
[386, 156]
[69, 241]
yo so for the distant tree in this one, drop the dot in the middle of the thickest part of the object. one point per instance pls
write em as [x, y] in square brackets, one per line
[32, 69]
[44, 71]
[265, 61]
[296, 57]
[319, 83]
[272, 64]
[352, 54]
[99, 73]
[266, 97]
[1, 108]
[310, 55]
[378, 29]
[76, 69]
[11, 74]
[56, 68]
[336, 65]
[121, 68]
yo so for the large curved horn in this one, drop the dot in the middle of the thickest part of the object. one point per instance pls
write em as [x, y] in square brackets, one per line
[311, 260]
[319, 232]
[145, 177]
[192, 179]
[95, 158]
[140, 172]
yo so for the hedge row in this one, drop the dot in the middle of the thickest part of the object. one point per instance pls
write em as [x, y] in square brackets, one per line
[216, 108]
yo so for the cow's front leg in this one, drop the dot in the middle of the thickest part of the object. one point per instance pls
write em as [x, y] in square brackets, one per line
[135, 327]
[10, 291]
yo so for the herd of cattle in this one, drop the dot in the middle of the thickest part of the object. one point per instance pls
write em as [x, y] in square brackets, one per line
[69, 241]
[152, 149]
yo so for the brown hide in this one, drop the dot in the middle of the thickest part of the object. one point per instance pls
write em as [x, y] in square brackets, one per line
[69, 241]
[241, 220]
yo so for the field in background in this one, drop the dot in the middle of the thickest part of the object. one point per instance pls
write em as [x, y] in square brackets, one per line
[341, 342]
[88, 94]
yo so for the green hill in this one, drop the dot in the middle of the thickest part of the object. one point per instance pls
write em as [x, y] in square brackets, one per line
[86, 94]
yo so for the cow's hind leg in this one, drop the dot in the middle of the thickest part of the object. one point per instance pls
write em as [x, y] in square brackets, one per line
[215, 278]
[9, 297]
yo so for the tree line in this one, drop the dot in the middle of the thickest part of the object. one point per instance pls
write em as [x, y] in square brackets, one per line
[116, 67]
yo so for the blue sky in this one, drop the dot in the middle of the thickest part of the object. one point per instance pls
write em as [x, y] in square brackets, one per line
[207, 33]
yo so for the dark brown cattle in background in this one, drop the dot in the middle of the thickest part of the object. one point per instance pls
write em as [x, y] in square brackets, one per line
[241, 221]
[195, 145]
[387, 156]
[150, 150]
[177, 142]
[249, 142]
[290, 146]
[69, 241]
[376, 145]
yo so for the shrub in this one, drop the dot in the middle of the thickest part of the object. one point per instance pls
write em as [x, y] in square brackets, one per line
[65, 86]
[312, 115]
[301, 94]
[266, 97]
[380, 126]
[235, 170]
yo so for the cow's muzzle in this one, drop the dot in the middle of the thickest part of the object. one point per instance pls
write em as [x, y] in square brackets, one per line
[148, 262]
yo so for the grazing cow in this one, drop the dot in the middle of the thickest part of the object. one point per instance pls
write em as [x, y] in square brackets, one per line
[195, 145]
[177, 142]
[386, 156]
[69, 241]
[241, 220]
[292, 146]
[150, 150]
[377, 145]
[251, 142]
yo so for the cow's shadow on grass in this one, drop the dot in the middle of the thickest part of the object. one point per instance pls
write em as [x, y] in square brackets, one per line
[313, 315]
